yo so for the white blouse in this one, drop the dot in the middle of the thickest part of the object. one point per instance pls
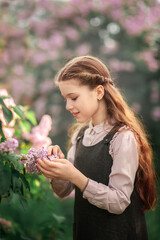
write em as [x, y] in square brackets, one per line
[123, 148]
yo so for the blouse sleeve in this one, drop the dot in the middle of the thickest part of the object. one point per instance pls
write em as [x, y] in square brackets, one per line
[116, 196]
[63, 188]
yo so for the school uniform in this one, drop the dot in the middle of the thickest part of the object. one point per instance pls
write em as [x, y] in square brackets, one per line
[92, 222]
[109, 207]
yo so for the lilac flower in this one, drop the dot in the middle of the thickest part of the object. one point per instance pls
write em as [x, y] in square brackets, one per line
[9, 145]
[38, 135]
[32, 156]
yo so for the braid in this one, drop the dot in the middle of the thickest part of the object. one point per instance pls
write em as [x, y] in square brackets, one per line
[93, 79]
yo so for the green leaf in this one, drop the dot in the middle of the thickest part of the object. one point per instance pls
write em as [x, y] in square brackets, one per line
[19, 112]
[14, 159]
[7, 112]
[3, 138]
[30, 115]
[23, 201]
[25, 126]
[3, 97]
[16, 182]
[5, 178]
[59, 219]
[25, 182]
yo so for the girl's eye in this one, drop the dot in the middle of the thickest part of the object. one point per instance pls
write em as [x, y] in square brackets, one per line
[74, 99]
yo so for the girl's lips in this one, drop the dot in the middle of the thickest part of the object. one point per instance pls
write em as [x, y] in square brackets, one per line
[75, 114]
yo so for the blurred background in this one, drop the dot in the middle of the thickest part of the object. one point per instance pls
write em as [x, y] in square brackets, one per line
[36, 39]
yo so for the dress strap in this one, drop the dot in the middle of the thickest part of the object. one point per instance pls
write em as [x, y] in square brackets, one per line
[81, 133]
[110, 135]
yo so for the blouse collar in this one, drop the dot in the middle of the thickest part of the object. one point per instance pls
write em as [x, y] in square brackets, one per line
[104, 126]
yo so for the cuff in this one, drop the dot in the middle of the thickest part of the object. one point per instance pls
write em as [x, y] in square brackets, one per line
[85, 185]
[90, 189]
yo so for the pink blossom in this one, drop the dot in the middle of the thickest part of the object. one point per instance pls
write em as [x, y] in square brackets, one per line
[40, 106]
[25, 14]
[153, 14]
[154, 92]
[16, 33]
[22, 87]
[52, 54]
[117, 65]
[44, 126]
[156, 113]
[5, 222]
[15, 55]
[18, 70]
[82, 23]
[39, 58]
[148, 56]
[47, 5]
[136, 107]
[43, 44]
[115, 3]
[8, 132]
[83, 49]
[66, 12]
[116, 13]
[46, 86]
[57, 40]
[38, 135]
[2, 71]
[71, 33]
[41, 28]
[6, 57]
[85, 7]
[135, 25]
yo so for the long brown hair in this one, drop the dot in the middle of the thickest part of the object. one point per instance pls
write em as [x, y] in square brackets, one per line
[92, 72]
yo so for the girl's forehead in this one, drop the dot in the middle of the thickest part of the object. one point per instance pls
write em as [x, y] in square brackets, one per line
[71, 86]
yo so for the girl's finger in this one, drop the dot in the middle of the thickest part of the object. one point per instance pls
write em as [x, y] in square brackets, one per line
[48, 165]
[44, 163]
[61, 155]
[45, 172]
[50, 150]
[56, 161]
[56, 150]
[53, 150]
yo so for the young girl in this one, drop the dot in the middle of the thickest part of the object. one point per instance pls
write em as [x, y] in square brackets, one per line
[110, 161]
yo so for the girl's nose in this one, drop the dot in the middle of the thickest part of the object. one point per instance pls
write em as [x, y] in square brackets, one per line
[69, 105]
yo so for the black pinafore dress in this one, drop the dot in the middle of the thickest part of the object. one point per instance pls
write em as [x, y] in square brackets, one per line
[91, 222]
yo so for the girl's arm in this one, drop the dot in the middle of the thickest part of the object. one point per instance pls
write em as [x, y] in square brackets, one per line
[64, 170]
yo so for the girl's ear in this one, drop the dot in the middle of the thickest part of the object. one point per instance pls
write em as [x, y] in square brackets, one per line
[100, 92]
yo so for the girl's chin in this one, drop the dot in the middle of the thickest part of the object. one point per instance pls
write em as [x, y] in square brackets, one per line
[82, 120]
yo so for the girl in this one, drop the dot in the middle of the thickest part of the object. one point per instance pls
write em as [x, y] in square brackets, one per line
[110, 161]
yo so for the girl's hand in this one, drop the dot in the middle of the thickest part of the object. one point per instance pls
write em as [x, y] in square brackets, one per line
[56, 168]
[62, 169]
[55, 150]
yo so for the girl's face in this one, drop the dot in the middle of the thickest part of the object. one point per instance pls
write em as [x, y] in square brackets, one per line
[81, 101]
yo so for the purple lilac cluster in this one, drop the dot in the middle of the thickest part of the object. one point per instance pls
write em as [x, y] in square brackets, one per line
[9, 146]
[32, 156]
